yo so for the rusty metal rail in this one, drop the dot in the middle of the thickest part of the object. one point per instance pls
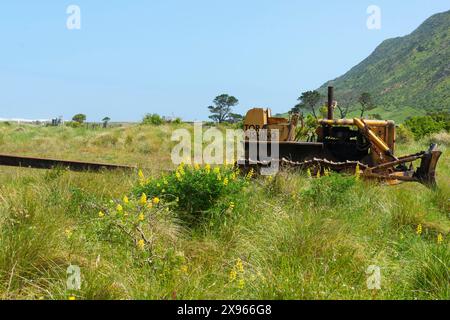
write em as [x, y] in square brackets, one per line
[41, 163]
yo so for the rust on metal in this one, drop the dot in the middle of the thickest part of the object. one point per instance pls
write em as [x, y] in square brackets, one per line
[330, 103]
[41, 163]
[425, 174]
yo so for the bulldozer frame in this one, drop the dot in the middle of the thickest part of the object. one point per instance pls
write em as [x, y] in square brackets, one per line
[343, 145]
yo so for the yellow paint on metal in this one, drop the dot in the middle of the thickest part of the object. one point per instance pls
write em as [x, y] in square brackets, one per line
[259, 118]
[372, 136]
[351, 122]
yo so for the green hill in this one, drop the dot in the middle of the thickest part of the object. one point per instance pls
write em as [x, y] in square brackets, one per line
[405, 75]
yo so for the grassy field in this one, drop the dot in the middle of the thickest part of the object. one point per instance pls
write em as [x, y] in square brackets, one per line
[288, 237]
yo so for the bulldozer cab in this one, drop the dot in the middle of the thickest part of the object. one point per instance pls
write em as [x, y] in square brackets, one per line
[261, 119]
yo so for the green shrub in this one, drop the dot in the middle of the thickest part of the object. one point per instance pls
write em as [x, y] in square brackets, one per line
[404, 135]
[152, 118]
[425, 125]
[195, 190]
[442, 117]
[308, 130]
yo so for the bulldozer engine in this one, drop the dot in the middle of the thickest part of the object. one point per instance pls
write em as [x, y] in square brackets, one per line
[345, 139]
[343, 145]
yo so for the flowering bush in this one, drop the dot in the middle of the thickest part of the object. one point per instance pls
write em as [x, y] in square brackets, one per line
[145, 227]
[135, 222]
[194, 189]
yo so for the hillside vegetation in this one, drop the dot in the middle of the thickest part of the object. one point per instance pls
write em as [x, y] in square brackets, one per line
[209, 233]
[406, 75]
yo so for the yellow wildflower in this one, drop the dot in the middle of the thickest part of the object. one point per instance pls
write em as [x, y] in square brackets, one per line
[178, 175]
[184, 269]
[143, 199]
[440, 238]
[150, 205]
[68, 233]
[318, 174]
[250, 174]
[217, 170]
[196, 167]
[141, 217]
[180, 169]
[141, 244]
[72, 298]
[233, 275]
[232, 205]
[419, 229]
[219, 177]
[119, 208]
[239, 266]
[156, 200]
[101, 214]
[241, 284]
[141, 176]
[125, 199]
[208, 168]
[308, 173]
[357, 172]
[225, 181]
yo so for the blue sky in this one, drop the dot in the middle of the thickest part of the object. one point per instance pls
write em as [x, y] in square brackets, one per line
[173, 57]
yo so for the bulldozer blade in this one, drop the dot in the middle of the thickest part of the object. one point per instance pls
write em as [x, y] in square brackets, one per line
[292, 151]
[40, 163]
[305, 156]
[426, 173]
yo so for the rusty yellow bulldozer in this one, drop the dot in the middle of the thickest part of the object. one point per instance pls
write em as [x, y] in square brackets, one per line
[342, 145]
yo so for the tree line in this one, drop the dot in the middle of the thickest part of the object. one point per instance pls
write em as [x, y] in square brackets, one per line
[309, 101]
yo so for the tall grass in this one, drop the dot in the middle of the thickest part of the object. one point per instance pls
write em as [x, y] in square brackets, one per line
[293, 237]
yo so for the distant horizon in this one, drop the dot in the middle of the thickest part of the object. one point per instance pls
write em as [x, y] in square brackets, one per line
[172, 58]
